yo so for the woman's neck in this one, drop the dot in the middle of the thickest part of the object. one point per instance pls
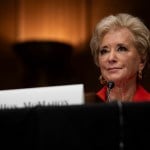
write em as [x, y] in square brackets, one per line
[123, 92]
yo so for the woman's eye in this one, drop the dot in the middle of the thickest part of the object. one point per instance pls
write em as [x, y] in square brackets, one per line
[122, 48]
[103, 51]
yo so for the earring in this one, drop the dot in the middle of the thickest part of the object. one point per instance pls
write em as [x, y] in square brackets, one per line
[102, 80]
[140, 74]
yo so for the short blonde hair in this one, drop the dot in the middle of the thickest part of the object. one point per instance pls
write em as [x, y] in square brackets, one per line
[140, 33]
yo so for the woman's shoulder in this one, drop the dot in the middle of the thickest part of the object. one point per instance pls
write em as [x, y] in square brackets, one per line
[92, 97]
[141, 94]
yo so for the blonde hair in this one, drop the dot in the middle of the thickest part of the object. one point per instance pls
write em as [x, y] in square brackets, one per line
[140, 33]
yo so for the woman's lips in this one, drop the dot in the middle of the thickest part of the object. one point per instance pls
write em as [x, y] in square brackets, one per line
[114, 69]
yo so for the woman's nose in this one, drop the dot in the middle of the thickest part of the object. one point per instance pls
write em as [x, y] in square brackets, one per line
[112, 57]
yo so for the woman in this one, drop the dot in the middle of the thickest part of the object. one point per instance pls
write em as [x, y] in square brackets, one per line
[121, 47]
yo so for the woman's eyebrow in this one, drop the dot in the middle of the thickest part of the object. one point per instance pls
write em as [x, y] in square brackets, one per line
[104, 46]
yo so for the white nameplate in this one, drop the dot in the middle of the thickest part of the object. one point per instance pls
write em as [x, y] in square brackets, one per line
[52, 95]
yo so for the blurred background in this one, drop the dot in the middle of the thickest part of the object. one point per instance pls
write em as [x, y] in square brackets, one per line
[46, 42]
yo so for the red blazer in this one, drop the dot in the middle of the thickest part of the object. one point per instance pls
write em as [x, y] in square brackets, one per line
[141, 95]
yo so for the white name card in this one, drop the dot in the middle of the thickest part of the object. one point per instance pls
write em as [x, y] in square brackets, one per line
[52, 95]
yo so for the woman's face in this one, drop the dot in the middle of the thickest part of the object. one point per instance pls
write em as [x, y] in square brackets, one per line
[119, 60]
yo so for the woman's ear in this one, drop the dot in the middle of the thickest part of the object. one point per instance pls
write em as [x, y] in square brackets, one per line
[142, 64]
[140, 69]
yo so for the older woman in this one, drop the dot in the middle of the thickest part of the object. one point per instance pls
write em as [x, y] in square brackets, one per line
[121, 47]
